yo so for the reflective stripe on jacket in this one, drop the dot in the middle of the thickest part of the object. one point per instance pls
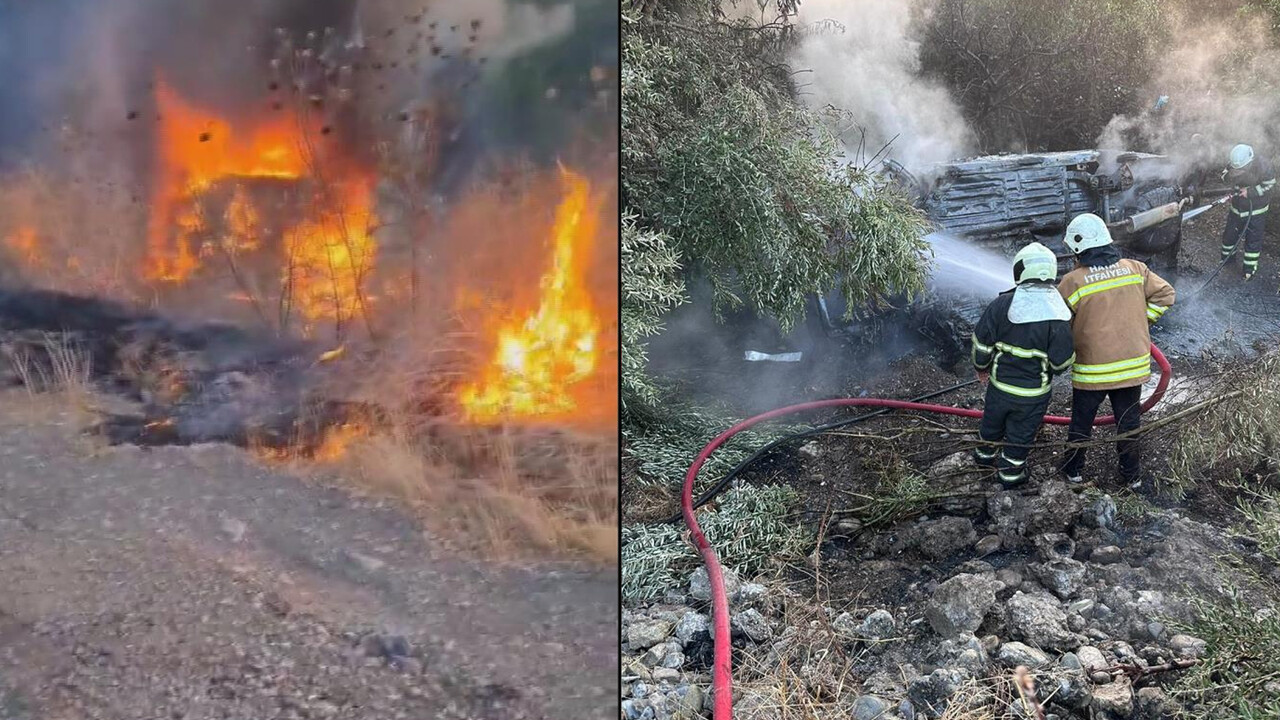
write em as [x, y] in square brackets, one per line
[1021, 357]
[1258, 180]
[1112, 308]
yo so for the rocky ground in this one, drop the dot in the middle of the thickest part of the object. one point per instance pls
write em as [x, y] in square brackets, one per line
[194, 583]
[937, 612]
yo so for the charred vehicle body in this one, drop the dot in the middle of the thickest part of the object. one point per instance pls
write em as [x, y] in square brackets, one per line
[1003, 202]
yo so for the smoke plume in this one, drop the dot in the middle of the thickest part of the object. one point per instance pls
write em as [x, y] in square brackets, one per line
[1220, 81]
[863, 63]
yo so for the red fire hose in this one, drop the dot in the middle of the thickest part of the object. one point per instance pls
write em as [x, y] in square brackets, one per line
[721, 680]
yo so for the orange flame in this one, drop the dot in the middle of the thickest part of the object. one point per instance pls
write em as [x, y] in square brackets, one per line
[196, 149]
[331, 256]
[25, 242]
[328, 255]
[537, 362]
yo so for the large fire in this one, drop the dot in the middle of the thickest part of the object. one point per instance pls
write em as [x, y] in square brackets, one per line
[328, 253]
[539, 359]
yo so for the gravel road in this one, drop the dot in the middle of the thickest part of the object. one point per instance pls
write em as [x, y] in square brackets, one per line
[193, 583]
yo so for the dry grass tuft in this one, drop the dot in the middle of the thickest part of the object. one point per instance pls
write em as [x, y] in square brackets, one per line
[55, 372]
[506, 492]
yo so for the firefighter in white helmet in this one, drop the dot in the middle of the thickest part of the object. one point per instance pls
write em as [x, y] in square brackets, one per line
[1022, 340]
[1113, 301]
[1254, 180]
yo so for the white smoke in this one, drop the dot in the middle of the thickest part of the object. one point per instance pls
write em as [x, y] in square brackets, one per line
[1220, 80]
[863, 62]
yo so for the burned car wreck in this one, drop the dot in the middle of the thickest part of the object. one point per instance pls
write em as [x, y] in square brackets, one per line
[1002, 202]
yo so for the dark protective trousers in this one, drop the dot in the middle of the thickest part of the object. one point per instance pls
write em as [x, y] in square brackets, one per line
[1252, 238]
[1084, 408]
[1012, 421]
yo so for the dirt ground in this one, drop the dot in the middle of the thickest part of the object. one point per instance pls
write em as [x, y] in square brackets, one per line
[193, 583]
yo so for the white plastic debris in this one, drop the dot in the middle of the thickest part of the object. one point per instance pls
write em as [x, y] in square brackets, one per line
[753, 356]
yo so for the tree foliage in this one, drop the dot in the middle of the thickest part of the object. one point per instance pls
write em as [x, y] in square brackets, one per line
[1043, 74]
[650, 287]
[742, 182]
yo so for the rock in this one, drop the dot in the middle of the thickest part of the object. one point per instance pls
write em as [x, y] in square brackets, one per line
[653, 657]
[751, 624]
[960, 604]
[975, 567]
[663, 674]
[1091, 658]
[907, 710]
[942, 538]
[1063, 576]
[367, 563]
[931, 693]
[1054, 546]
[948, 466]
[878, 625]
[1072, 690]
[1153, 655]
[986, 545]
[1099, 677]
[644, 634]
[1187, 646]
[700, 586]
[1012, 580]
[1037, 619]
[1115, 697]
[233, 529]
[1100, 514]
[811, 449]
[689, 699]
[673, 658]
[1155, 630]
[990, 643]
[870, 707]
[749, 594]
[845, 625]
[966, 652]
[637, 710]
[1018, 516]
[692, 623]
[1153, 704]
[1106, 555]
[1070, 661]
[1016, 653]
[394, 649]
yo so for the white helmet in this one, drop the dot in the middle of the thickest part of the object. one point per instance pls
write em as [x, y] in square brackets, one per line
[1086, 231]
[1035, 262]
[1241, 156]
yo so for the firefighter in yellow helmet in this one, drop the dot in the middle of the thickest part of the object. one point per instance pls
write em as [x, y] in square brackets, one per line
[1254, 180]
[1022, 340]
[1113, 301]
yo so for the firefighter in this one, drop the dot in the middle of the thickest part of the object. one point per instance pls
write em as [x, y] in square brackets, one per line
[1253, 179]
[1113, 301]
[1021, 341]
